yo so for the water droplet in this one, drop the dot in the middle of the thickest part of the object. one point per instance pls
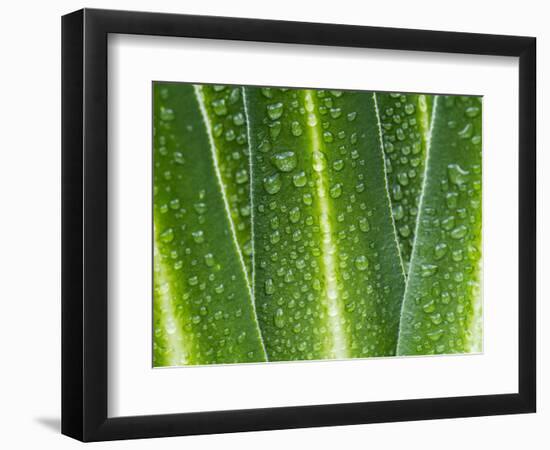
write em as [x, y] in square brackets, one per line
[164, 93]
[336, 190]
[457, 174]
[269, 287]
[429, 307]
[397, 192]
[335, 112]
[167, 236]
[472, 111]
[319, 161]
[264, 146]
[361, 263]
[219, 107]
[285, 161]
[267, 92]
[200, 207]
[272, 183]
[403, 178]
[275, 110]
[338, 165]
[230, 135]
[275, 237]
[459, 232]
[175, 204]
[452, 200]
[296, 128]
[300, 179]
[328, 136]
[274, 130]
[405, 231]
[427, 270]
[294, 214]
[279, 318]
[467, 132]
[409, 108]
[440, 250]
[209, 259]
[178, 158]
[457, 255]
[448, 223]
[364, 224]
[198, 236]
[166, 114]
[398, 212]
[241, 337]
[436, 318]
[435, 335]
[241, 176]
[238, 119]
[218, 129]
[171, 327]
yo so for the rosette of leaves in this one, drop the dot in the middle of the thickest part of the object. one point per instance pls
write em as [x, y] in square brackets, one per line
[302, 224]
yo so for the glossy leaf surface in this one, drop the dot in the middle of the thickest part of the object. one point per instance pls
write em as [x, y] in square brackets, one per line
[442, 303]
[405, 121]
[224, 110]
[328, 279]
[203, 311]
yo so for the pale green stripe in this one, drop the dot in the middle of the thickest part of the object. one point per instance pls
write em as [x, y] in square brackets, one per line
[331, 298]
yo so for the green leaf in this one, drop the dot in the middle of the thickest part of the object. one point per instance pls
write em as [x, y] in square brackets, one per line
[405, 121]
[442, 303]
[203, 310]
[328, 279]
[224, 109]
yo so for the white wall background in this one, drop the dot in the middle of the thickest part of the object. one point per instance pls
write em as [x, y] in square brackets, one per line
[30, 221]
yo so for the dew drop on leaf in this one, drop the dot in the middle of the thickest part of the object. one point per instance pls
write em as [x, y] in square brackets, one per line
[285, 161]
[272, 183]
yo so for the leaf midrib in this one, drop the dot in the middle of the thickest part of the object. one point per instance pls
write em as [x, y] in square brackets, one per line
[334, 308]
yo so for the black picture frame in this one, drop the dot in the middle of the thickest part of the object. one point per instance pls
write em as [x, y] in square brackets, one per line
[84, 224]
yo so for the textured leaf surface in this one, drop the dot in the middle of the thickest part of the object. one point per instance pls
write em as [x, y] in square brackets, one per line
[224, 110]
[405, 121]
[203, 310]
[328, 279]
[442, 304]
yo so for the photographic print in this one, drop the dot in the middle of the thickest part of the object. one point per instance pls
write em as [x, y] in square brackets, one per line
[314, 224]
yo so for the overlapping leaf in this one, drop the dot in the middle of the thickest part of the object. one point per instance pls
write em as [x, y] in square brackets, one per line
[405, 121]
[442, 303]
[224, 113]
[287, 221]
[203, 306]
[327, 275]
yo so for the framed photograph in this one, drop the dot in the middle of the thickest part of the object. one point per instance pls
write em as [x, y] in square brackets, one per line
[274, 225]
